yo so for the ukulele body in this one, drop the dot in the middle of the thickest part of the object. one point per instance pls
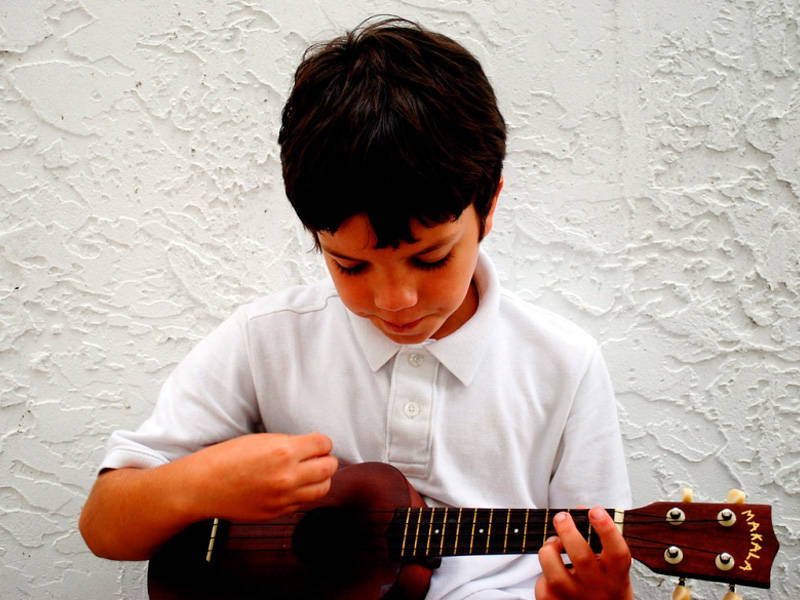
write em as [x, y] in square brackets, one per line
[334, 549]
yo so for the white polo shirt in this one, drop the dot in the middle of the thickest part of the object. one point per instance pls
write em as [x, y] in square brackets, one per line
[514, 409]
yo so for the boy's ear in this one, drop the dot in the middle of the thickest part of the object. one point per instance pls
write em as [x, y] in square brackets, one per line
[487, 225]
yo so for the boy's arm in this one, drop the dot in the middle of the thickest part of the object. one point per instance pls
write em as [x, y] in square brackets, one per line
[130, 512]
[601, 577]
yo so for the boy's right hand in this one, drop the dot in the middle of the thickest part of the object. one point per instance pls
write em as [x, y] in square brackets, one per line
[260, 476]
[250, 478]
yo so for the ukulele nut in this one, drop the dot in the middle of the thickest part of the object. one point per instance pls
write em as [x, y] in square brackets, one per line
[724, 561]
[673, 555]
[726, 517]
[675, 516]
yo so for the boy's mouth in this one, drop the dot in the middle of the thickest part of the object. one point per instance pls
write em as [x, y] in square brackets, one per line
[401, 327]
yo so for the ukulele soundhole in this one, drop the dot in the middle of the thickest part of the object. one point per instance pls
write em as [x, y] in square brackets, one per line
[327, 538]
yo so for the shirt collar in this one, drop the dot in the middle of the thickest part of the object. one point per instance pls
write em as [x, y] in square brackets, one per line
[461, 351]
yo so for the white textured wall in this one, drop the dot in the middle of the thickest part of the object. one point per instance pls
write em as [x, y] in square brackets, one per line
[652, 195]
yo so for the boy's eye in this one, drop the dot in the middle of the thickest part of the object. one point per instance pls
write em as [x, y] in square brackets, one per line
[354, 270]
[425, 265]
[431, 265]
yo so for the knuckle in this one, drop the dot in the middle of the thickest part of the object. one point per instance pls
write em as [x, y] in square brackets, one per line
[291, 508]
[323, 474]
[622, 560]
[281, 452]
[332, 466]
[325, 487]
[283, 482]
[583, 562]
[319, 442]
[560, 585]
[325, 443]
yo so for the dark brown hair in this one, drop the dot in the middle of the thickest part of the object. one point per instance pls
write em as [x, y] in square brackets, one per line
[393, 121]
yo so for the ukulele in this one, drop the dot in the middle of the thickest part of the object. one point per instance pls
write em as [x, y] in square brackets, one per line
[372, 538]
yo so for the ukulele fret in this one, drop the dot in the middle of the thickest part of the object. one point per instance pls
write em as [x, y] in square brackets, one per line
[444, 530]
[472, 534]
[489, 530]
[416, 534]
[582, 523]
[458, 530]
[505, 537]
[430, 530]
[546, 523]
[405, 533]
[525, 531]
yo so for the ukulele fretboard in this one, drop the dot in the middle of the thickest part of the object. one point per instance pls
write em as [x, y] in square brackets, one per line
[418, 533]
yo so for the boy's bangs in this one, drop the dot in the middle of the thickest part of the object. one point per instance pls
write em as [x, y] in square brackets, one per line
[388, 174]
[391, 198]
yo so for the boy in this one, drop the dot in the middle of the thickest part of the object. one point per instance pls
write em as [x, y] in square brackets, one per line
[392, 148]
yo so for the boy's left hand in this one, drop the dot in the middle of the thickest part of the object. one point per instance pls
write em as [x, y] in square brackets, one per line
[596, 577]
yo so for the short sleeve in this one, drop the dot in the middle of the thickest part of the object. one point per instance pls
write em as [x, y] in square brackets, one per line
[208, 398]
[590, 468]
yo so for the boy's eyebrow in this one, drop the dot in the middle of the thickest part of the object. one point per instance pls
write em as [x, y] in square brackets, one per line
[435, 246]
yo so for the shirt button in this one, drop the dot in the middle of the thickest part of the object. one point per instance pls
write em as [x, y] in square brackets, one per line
[411, 409]
[416, 360]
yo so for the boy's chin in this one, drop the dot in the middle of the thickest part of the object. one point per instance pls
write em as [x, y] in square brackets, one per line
[406, 339]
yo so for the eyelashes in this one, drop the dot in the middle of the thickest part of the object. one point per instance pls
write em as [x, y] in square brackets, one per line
[419, 264]
[431, 266]
[350, 270]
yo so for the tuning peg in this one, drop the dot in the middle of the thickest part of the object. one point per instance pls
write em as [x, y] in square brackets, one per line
[731, 593]
[736, 497]
[681, 592]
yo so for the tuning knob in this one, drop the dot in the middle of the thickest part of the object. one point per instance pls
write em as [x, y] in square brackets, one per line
[731, 594]
[736, 497]
[681, 592]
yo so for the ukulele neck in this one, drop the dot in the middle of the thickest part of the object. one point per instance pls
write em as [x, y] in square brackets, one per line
[419, 533]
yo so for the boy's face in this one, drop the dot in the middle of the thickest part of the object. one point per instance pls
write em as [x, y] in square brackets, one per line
[416, 291]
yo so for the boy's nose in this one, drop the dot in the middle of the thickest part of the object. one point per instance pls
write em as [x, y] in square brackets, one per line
[394, 297]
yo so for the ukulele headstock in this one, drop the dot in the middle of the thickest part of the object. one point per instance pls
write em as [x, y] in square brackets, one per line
[729, 542]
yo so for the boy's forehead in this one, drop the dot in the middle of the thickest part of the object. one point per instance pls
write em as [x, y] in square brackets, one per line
[356, 234]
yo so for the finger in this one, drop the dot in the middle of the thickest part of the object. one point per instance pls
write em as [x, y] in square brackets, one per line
[615, 556]
[309, 481]
[315, 470]
[543, 591]
[558, 582]
[313, 444]
[311, 492]
[576, 547]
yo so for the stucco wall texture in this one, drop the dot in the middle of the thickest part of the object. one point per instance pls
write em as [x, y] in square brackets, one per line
[652, 194]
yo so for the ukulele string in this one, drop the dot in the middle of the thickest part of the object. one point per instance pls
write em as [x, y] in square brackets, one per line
[282, 543]
[632, 520]
[433, 531]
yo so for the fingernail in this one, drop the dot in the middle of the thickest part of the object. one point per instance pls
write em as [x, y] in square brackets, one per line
[598, 514]
[552, 539]
[560, 517]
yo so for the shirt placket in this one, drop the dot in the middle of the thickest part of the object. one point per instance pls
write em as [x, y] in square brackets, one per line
[410, 418]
